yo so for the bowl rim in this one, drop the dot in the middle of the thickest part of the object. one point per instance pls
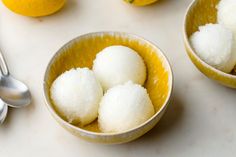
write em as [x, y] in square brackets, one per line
[188, 45]
[158, 52]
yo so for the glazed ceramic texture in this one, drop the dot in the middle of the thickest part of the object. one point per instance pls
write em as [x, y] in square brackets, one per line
[81, 52]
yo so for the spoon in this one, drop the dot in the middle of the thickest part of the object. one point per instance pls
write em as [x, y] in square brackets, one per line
[12, 92]
[3, 111]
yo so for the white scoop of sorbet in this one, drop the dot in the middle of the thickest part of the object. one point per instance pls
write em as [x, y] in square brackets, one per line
[118, 64]
[76, 95]
[227, 14]
[124, 107]
[214, 44]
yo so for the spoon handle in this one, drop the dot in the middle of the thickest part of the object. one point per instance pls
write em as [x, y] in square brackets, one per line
[3, 65]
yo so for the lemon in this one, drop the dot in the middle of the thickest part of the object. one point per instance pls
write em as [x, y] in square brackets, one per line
[34, 8]
[141, 2]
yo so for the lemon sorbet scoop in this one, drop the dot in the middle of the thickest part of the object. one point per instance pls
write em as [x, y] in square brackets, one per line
[76, 95]
[118, 64]
[227, 14]
[214, 44]
[124, 107]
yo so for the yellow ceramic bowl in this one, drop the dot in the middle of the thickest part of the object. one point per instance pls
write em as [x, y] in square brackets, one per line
[199, 13]
[81, 51]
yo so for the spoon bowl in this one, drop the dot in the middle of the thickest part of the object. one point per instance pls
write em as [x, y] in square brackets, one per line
[14, 92]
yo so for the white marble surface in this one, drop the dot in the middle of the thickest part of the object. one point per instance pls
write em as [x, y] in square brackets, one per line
[199, 122]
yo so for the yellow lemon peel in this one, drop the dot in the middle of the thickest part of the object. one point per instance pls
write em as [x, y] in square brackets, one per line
[140, 2]
[34, 8]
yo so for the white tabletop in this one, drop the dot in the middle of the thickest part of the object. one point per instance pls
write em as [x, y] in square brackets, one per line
[199, 122]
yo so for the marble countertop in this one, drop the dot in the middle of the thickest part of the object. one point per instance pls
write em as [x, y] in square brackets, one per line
[199, 122]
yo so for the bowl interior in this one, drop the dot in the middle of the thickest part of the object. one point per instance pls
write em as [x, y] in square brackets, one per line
[200, 13]
[81, 52]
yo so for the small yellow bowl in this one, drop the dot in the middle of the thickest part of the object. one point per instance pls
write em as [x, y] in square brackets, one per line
[201, 12]
[81, 51]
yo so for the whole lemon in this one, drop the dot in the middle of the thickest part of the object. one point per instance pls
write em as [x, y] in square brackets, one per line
[34, 8]
[141, 2]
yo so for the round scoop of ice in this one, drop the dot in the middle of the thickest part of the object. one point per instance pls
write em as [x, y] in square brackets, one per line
[214, 44]
[226, 14]
[124, 107]
[76, 95]
[118, 64]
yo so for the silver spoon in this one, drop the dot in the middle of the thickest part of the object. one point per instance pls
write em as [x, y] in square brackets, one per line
[3, 111]
[12, 92]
